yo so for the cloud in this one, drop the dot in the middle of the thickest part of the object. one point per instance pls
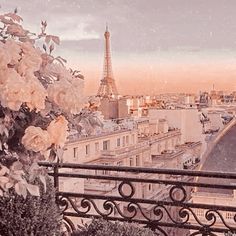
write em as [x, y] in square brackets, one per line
[158, 34]
[137, 25]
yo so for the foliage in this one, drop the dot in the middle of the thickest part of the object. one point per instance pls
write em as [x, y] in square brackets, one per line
[31, 216]
[40, 101]
[100, 227]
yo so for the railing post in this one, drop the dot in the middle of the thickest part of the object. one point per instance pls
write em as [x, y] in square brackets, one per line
[55, 175]
[56, 179]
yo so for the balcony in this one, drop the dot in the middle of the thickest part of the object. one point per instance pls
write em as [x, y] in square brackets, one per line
[161, 199]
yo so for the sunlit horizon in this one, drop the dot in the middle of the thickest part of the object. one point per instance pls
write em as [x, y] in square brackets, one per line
[166, 46]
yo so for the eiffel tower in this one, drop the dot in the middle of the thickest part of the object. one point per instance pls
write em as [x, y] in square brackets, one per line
[107, 86]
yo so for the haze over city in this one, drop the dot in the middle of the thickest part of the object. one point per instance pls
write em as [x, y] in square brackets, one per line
[152, 152]
[157, 46]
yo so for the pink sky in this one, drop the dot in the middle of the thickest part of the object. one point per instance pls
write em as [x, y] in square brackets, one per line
[172, 72]
[162, 46]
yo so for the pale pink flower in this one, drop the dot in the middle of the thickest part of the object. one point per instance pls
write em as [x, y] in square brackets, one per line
[36, 139]
[68, 96]
[58, 131]
[37, 95]
[31, 59]
[13, 90]
[3, 74]
[14, 49]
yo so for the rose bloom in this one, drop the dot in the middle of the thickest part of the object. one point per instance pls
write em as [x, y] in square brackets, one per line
[31, 59]
[36, 139]
[57, 131]
[3, 74]
[13, 90]
[14, 49]
[68, 96]
[37, 95]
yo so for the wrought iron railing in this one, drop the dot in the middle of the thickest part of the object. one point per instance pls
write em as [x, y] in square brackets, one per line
[157, 198]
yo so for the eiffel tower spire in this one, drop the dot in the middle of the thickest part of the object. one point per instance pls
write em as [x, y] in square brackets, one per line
[107, 86]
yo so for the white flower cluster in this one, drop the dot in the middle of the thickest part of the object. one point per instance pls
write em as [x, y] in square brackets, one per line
[18, 84]
[39, 140]
[36, 93]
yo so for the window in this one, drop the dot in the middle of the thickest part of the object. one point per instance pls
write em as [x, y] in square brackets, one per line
[199, 212]
[120, 163]
[131, 161]
[106, 145]
[75, 152]
[137, 160]
[229, 215]
[150, 187]
[133, 141]
[166, 145]
[173, 142]
[178, 141]
[97, 147]
[118, 142]
[123, 141]
[87, 149]
[127, 140]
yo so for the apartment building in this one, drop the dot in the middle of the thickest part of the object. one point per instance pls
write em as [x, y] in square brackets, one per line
[221, 158]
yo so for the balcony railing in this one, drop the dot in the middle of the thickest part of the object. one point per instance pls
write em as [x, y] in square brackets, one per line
[157, 198]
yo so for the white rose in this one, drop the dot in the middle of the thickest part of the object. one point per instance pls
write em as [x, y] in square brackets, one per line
[13, 90]
[16, 90]
[14, 49]
[36, 139]
[31, 59]
[67, 95]
[37, 95]
[58, 131]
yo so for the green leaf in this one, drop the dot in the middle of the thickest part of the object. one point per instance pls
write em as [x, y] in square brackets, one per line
[52, 156]
[55, 39]
[47, 39]
[21, 189]
[33, 189]
[51, 48]
[43, 180]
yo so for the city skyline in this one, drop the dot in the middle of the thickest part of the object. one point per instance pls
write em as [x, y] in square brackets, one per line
[166, 46]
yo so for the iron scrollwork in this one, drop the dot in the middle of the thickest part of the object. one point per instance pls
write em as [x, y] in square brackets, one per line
[174, 211]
